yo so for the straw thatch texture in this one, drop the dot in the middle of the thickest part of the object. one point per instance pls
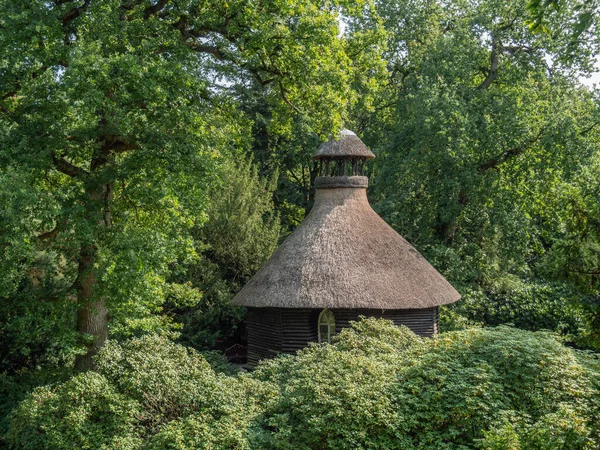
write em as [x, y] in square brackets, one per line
[345, 256]
[349, 145]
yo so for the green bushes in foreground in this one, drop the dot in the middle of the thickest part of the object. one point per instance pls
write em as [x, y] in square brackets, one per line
[376, 386]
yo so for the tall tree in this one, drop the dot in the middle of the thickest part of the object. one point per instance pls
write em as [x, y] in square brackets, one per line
[241, 233]
[113, 115]
[482, 131]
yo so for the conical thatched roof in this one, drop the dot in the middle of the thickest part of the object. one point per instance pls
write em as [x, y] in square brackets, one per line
[349, 145]
[345, 256]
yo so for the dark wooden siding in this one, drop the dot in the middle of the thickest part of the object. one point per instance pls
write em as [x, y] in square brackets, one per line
[423, 322]
[275, 330]
[264, 333]
[298, 328]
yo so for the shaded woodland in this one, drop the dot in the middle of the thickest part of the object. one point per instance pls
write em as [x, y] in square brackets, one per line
[154, 153]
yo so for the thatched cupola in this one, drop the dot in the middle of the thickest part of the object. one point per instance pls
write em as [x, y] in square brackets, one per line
[342, 262]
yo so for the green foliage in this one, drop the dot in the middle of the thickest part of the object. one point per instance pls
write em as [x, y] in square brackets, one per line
[219, 362]
[14, 388]
[242, 230]
[223, 425]
[148, 150]
[166, 379]
[336, 396]
[214, 318]
[547, 15]
[201, 432]
[479, 169]
[464, 381]
[37, 322]
[375, 338]
[178, 390]
[531, 305]
[561, 430]
[115, 118]
[451, 392]
[36, 331]
[147, 393]
[86, 412]
[241, 233]
[375, 386]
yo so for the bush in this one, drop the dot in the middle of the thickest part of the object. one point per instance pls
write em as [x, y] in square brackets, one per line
[375, 386]
[561, 430]
[85, 412]
[371, 390]
[527, 304]
[168, 380]
[230, 428]
[14, 388]
[460, 385]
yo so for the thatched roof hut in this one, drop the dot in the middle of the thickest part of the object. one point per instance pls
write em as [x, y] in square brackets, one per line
[343, 257]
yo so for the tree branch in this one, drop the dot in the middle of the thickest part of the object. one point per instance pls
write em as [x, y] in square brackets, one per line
[49, 235]
[508, 154]
[187, 32]
[64, 166]
[513, 49]
[261, 81]
[117, 145]
[74, 13]
[493, 72]
[588, 129]
[8, 94]
[210, 49]
[285, 99]
[154, 9]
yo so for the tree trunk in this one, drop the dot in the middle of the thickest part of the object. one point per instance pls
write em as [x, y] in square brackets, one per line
[92, 315]
[92, 320]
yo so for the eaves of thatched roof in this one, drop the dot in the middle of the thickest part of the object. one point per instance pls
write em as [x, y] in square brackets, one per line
[344, 255]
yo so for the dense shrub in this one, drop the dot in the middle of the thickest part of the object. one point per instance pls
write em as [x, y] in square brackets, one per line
[224, 425]
[460, 385]
[85, 413]
[14, 388]
[375, 386]
[168, 380]
[531, 305]
[451, 392]
[172, 382]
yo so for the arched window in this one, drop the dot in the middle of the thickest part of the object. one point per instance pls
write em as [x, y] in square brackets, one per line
[326, 325]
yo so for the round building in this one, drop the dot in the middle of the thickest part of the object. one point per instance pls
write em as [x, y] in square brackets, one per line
[342, 262]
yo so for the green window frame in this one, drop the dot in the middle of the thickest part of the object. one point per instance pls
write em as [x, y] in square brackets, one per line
[326, 325]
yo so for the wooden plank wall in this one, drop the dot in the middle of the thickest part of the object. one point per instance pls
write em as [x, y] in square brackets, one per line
[275, 330]
[264, 333]
[423, 322]
[299, 327]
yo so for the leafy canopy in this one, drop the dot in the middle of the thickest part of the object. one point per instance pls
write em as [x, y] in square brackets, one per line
[116, 118]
